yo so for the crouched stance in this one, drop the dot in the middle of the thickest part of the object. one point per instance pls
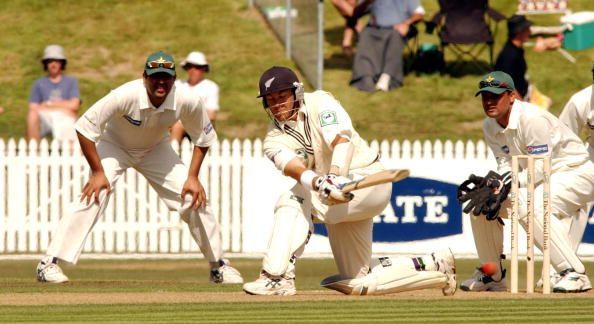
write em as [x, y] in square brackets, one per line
[128, 128]
[311, 139]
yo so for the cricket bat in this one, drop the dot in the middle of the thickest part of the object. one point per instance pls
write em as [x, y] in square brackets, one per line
[385, 176]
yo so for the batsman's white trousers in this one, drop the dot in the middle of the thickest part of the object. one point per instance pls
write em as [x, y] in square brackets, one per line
[349, 226]
[166, 173]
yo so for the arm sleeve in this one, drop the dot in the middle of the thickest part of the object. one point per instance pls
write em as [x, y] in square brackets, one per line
[538, 142]
[278, 154]
[35, 95]
[92, 123]
[333, 120]
[574, 117]
[197, 124]
[503, 160]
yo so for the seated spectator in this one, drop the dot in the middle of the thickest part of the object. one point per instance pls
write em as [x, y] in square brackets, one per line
[511, 60]
[346, 8]
[54, 100]
[196, 66]
[378, 62]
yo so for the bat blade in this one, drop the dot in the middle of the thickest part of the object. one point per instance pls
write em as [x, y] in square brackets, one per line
[375, 179]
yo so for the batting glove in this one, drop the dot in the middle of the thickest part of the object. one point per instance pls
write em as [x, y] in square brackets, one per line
[329, 189]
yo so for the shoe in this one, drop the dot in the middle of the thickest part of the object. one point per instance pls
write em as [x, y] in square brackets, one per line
[268, 285]
[225, 274]
[572, 282]
[445, 262]
[481, 282]
[48, 271]
[383, 84]
[554, 278]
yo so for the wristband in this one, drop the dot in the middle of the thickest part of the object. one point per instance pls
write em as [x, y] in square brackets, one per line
[306, 179]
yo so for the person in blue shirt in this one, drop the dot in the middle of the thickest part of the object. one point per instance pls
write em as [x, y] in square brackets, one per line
[378, 62]
[54, 100]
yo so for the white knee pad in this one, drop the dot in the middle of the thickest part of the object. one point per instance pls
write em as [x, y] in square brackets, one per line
[290, 233]
[387, 275]
[488, 238]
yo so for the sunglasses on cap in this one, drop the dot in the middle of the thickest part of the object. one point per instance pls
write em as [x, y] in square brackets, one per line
[493, 83]
[160, 63]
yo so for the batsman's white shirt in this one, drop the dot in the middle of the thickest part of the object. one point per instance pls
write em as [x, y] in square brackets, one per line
[579, 112]
[127, 118]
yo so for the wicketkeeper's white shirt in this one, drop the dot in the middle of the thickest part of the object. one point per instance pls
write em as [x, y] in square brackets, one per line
[126, 117]
[533, 131]
[578, 112]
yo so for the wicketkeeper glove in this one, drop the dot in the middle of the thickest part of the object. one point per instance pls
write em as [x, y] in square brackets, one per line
[502, 187]
[476, 193]
[329, 189]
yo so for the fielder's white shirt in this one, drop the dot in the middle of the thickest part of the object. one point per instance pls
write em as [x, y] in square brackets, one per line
[578, 112]
[533, 131]
[310, 136]
[205, 89]
[127, 118]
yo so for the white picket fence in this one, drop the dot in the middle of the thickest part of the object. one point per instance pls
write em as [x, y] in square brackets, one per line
[38, 182]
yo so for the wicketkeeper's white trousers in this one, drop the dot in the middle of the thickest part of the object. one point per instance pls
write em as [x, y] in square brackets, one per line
[166, 173]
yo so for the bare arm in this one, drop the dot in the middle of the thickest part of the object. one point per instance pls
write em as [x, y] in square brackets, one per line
[97, 180]
[192, 185]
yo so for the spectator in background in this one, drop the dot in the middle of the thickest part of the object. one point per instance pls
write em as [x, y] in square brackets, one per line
[379, 59]
[511, 60]
[196, 66]
[347, 9]
[54, 99]
[1, 110]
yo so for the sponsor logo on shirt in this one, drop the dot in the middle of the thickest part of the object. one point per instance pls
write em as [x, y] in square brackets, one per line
[133, 121]
[208, 128]
[328, 117]
[537, 149]
[505, 149]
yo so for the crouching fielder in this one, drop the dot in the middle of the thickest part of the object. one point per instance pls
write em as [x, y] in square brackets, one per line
[514, 127]
[129, 128]
[311, 139]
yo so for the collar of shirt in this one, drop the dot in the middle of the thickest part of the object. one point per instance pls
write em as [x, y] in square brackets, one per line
[169, 103]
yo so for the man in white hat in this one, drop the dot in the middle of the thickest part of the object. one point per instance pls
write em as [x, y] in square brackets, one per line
[196, 66]
[54, 99]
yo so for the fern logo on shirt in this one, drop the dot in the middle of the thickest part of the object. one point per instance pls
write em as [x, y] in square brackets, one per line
[328, 117]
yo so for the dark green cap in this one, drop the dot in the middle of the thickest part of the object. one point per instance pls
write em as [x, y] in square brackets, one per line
[159, 62]
[496, 82]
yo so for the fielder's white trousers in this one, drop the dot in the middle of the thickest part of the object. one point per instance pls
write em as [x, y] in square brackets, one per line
[165, 172]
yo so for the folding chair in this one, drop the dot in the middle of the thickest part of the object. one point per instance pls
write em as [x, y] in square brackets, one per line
[464, 28]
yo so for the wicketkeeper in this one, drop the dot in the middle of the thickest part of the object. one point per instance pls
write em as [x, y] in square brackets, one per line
[129, 128]
[311, 139]
[514, 127]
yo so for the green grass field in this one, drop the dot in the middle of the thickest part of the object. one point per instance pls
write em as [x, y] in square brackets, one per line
[178, 291]
[107, 41]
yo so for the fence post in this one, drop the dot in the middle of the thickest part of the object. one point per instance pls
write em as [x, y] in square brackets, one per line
[288, 22]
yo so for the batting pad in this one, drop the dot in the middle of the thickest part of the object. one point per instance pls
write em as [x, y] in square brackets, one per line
[385, 278]
[290, 232]
[488, 239]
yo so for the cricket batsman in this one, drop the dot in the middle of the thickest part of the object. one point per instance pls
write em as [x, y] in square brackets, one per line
[514, 127]
[311, 139]
[129, 128]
